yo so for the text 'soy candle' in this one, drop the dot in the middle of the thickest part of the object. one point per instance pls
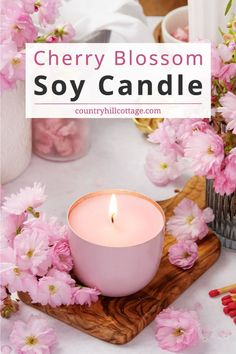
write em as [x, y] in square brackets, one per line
[116, 240]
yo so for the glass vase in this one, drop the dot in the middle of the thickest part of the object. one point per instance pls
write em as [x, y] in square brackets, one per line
[61, 139]
[65, 139]
[224, 209]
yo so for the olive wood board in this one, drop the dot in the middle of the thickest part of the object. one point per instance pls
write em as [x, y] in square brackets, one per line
[118, 320]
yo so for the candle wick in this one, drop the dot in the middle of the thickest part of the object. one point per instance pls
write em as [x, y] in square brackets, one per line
[112, 218]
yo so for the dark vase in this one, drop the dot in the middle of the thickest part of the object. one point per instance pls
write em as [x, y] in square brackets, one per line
[224, 209]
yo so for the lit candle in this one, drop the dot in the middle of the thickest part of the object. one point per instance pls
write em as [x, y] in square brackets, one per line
[113, 208]
[116, 240]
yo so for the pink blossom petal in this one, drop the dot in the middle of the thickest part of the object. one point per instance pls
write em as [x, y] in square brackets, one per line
[177, 330]
[6, 349]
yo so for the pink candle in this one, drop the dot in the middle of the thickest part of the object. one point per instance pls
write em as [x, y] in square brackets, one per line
[116, 240]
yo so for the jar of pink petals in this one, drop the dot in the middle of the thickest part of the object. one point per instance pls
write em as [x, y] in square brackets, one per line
[61, 139]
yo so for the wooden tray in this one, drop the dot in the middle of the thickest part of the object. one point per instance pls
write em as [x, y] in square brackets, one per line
[157, 34]
[160, 7]
[118, 320]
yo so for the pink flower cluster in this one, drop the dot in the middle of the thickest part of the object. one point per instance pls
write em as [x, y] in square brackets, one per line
[54, 137]
[208, 144]
[17, 28]
[177, 330]
[35, 254]
[188, 224]
[164, 164]
[179, 138]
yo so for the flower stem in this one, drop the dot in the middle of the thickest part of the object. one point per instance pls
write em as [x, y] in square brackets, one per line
[31, 210]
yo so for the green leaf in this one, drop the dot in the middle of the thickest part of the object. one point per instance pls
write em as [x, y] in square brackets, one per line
[228, 7]
[221, 32]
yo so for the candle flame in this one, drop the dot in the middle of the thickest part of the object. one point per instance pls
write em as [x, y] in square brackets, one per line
[113, 208]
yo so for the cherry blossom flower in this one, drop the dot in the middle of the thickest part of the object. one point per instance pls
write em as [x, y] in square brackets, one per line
[225, 52]
[225, 181]
[12, 276]
[52, 229]
[183, 254]
[64, 33]
[216, 61]
[189, 221]
[232, 126]
[15, 69]
[177, 330]
[166, 135]
[29, 6]
[39, 260]
[222, 185]
[8, 51]
[11, 226]
[219, 56]
[26, 200]
[16, 24]
[52, 39]
[33, 336]
[206, 158]
[61, 256]
[230, 167]
[161, 169]
[6, 349]
[62, 276]
[84, 296]
[4, 83]
[32, 252]
[228, 109]
[48, 10]
[12, 65]
[172, 133]
[227, 72]
[53, 292]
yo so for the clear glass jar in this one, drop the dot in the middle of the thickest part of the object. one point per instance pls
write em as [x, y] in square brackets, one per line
[61, 139]
[224, 209]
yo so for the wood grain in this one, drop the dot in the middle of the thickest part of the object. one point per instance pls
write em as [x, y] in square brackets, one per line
[160, 7]
[157, 34]
[118, 320]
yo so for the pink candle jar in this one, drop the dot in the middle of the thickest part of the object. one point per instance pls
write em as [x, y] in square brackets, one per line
[60, 139]
[116, 240]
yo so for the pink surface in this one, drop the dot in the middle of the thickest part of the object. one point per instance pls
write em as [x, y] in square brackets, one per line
[137, 221]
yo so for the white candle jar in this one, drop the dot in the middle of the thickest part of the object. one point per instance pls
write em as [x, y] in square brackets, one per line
[16, 142]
